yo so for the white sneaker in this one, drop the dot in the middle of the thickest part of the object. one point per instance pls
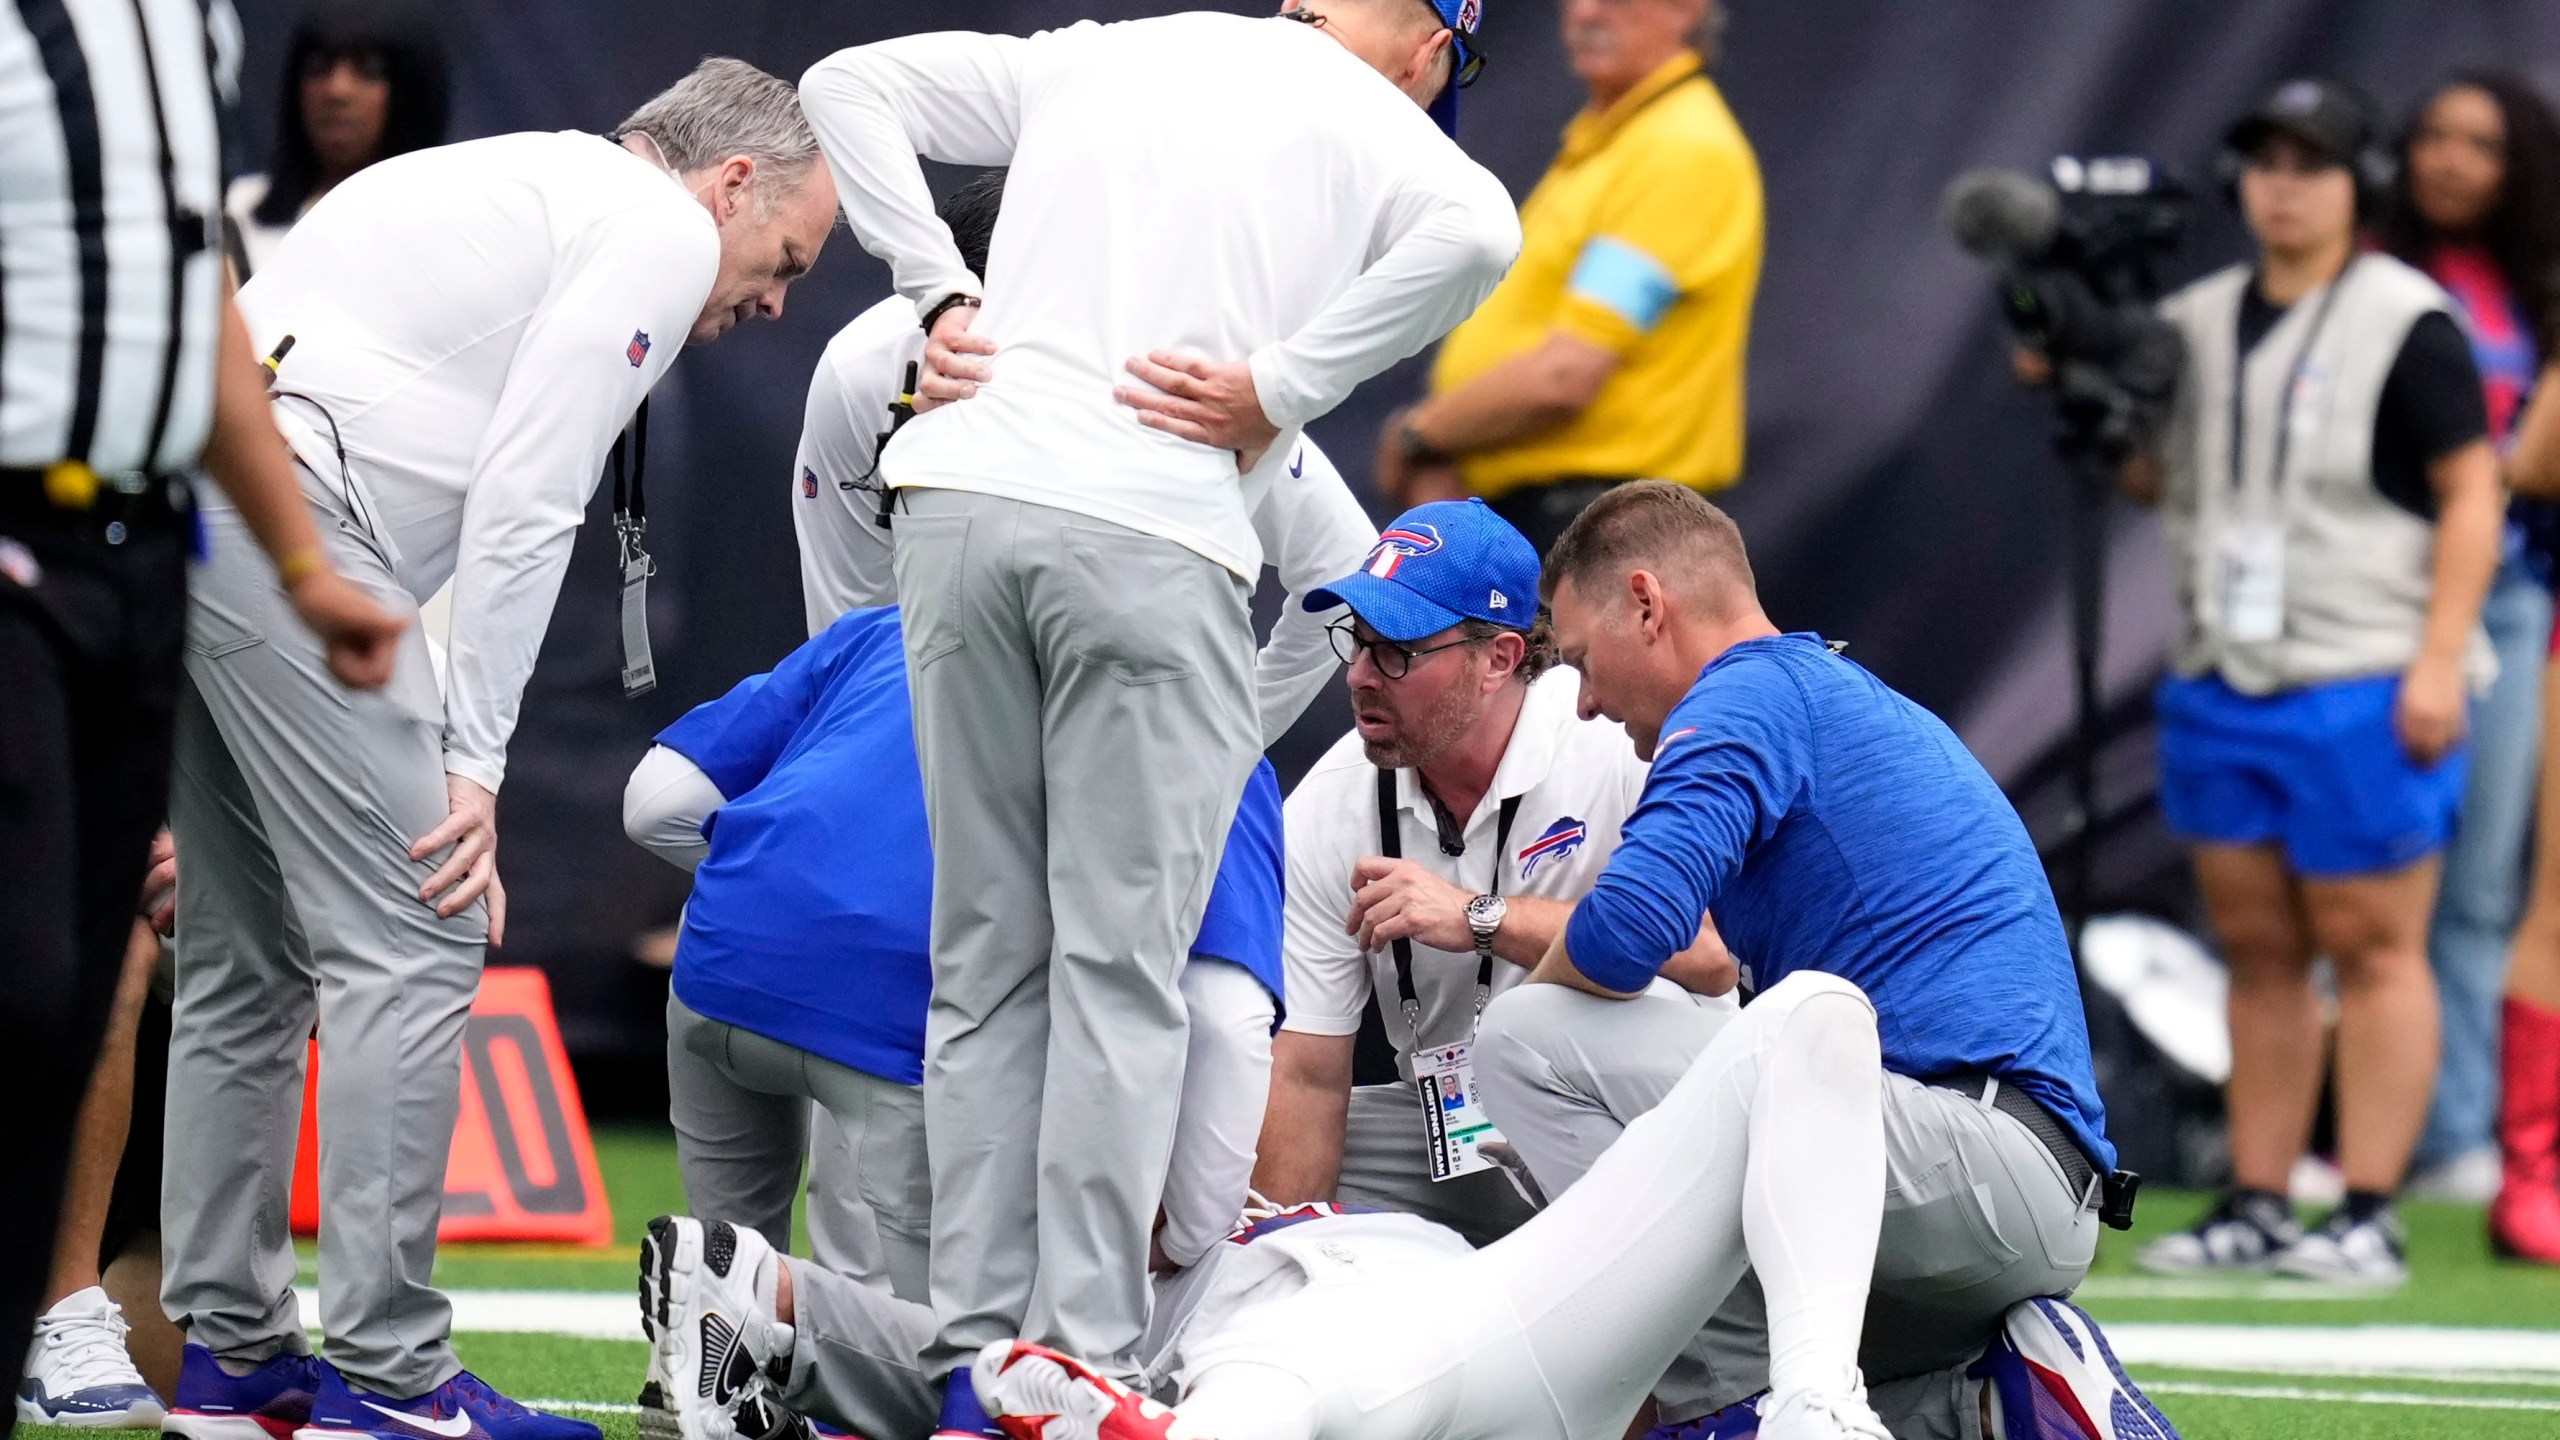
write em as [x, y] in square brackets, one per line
[2349, 1252]
[2470, 1178]
[2246, 1232]
[1808, 1415]
[706, 1304]
[78, 1373]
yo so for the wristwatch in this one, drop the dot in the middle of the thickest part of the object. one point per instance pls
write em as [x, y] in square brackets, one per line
[1484, 917]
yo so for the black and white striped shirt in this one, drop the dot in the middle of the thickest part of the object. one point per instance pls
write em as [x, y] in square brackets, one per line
[110, 277]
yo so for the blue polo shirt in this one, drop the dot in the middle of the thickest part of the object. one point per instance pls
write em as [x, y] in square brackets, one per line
[810, 917]
[1830, 824]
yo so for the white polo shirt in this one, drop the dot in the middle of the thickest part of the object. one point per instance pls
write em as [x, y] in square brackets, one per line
[1577, 781]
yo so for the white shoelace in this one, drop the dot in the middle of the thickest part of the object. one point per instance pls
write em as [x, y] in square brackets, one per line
[83, 1349]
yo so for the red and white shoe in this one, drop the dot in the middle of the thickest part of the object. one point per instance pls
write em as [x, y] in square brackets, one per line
[1035, 1393]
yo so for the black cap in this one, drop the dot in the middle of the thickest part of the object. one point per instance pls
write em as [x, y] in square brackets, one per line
[2323, 114]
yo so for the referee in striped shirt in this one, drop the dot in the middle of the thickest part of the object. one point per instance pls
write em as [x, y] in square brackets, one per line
[122, 365]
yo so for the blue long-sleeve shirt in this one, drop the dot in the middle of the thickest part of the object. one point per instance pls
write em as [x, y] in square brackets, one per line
[1831, 824]
[809, 917]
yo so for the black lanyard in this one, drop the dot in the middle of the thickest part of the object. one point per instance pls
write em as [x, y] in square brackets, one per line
[630, 534]
[630, 505]
[2292, 385]
[1391, 845]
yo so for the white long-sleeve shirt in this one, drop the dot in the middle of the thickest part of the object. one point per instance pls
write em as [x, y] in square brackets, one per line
[1243, 189]
[480, 320]
[1308, 525]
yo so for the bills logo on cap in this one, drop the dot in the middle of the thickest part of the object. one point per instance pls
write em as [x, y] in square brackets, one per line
[1561, 839]
[638, 349]
[808, 483]
[1399, 545]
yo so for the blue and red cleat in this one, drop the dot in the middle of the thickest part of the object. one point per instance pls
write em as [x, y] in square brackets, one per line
[2051, 1376]
[269, 1403]
[462, 1408]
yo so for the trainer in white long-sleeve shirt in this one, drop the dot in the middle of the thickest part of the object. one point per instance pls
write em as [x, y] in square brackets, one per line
[1289, 205]
[1309, 526]
[479, 322]
[471, 326]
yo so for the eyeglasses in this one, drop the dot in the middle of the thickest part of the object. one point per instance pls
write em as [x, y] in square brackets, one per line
[1393, 660]
[1470, 58]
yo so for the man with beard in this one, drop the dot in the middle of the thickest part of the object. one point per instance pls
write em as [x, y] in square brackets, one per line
[1433, 855]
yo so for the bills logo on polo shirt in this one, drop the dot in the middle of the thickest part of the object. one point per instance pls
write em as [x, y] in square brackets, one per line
[1398, 545]
[638, 349]
[808, 483]
[1561, 839]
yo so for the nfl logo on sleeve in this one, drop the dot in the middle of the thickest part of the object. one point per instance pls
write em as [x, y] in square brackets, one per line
[638, 349]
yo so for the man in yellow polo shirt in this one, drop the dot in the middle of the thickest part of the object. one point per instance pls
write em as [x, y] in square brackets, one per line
[1614, 349]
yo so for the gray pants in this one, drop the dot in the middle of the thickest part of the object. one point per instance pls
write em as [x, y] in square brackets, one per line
[1383, 1165]
[1085, 719]
[1977, 1216]
[858, 1357]
[741, 1108]
[294, 804]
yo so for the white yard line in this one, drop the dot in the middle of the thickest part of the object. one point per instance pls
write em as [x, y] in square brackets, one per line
[582, 1314]
[2373, 1352]
[2422, 1351]
[2345, 1397]
[2222, 1287]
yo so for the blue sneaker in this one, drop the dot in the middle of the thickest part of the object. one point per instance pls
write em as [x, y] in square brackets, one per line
[269, 1403]
[462, 1408]
[78, 1373]
[1737, 1421]
[2051, 1377]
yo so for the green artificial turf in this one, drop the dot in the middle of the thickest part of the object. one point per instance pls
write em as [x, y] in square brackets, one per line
[2456, 1283]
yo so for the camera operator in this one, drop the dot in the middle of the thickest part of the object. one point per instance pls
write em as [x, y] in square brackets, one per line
[2333, 507]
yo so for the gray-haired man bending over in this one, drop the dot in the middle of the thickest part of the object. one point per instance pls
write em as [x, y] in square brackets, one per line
[472, 325]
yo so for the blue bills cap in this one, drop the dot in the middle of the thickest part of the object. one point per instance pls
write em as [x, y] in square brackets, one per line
[1462, 17]
[1438, 564]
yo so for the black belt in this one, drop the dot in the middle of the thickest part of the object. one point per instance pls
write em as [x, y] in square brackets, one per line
[119, 498]
[2049, 1131]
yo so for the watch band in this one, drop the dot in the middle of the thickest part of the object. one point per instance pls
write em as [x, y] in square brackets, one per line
[956, 300]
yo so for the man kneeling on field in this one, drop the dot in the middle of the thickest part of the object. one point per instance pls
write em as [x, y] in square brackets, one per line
[1946, 1162]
